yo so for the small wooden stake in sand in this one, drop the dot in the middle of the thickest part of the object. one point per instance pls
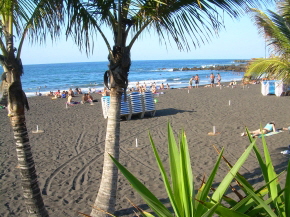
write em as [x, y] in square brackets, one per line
[187, 91]
[37, 130]
[136, 143]
[213, 133]
[229, 102]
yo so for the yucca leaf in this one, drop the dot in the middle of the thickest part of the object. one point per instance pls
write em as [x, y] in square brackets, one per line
[248, 202]
[146, 214]
[270, 169]
[147, 195]
[261, 202]
[223, 211]
[261, 163]
[231, 174]
[187, 178]
[242, 181]
[287, 191]
[207, 186]
[229, 200]
[143, 213]
[210, 212]
[174, 162]
[274, 186]
[165, 178]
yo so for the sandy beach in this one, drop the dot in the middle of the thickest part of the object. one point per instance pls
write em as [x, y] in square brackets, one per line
[69, 154]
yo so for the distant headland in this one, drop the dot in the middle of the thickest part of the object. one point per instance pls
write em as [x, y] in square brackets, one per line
[236, 68]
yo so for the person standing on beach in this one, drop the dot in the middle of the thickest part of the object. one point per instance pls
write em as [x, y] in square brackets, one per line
[190, 83]
[219, 78]
[196, 79]
[137, 86]
[211, 80]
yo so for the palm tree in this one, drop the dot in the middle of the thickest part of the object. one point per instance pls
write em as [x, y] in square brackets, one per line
[276, 29]
[187, 23]
[21, 19]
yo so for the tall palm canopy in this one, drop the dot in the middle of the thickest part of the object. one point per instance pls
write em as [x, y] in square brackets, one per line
[187, 23]
[276, 29]
[21, 19]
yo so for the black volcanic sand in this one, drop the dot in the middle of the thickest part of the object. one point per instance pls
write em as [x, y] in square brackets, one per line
[69, 154]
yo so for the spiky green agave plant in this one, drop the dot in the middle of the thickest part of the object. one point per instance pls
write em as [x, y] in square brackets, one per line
[185, 203]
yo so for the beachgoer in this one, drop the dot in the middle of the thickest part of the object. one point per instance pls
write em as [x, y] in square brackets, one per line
[70, 101]
[161, 86]
[212, 79]
[57, 94]
[63, 94]
[153, 89]
[196, 79]
[78, 91]
[270, 127]
[137, 86]
[190, 83]
[50, 94]
[87, 98]
[219, 78]
[167, 86]
[70, 92]
[141, 89]
[106, 92]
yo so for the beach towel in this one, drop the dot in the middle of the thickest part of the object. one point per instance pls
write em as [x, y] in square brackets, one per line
[271, 133]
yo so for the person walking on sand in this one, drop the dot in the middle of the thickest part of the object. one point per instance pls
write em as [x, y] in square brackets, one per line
[196, 79]
[219, 78]
[211, 80]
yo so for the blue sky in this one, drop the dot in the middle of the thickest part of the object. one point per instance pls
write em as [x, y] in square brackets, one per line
[239, 40]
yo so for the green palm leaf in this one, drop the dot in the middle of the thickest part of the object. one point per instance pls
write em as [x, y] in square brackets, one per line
[276, 29]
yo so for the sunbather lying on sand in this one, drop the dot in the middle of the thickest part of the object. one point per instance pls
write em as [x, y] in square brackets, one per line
[270, 127]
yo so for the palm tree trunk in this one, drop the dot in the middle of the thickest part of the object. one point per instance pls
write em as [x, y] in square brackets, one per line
[106, 197]
[17, 101]
[31, 192]
[6, 80]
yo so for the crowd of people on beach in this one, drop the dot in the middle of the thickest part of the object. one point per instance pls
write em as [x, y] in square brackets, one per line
[215, 81]
[86, 97]
[153, 87]
[212, 78]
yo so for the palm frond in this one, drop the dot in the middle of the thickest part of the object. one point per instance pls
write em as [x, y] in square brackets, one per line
[32, 19]
[275, 68]
[276, 28]
[184, 22]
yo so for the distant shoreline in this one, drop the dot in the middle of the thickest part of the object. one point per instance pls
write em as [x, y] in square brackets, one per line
[234, 68]
[106, 61]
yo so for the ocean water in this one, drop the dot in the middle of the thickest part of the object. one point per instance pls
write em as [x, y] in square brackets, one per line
[85, 75]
